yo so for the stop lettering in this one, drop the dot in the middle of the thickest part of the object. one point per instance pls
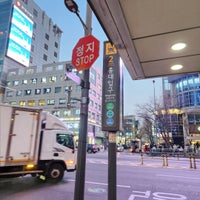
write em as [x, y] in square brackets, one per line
[85, 52]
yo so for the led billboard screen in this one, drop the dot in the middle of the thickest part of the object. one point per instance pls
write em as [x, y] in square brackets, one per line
[20, 37]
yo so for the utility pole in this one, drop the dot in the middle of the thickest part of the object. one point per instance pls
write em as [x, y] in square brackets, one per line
[81, 157]
[154, 101]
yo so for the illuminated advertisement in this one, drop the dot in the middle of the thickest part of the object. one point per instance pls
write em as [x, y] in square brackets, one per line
[20, 37]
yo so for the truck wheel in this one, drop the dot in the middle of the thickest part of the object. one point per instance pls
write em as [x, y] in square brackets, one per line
[55, 173]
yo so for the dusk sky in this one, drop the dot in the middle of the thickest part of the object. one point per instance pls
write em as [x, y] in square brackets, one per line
[135, 91]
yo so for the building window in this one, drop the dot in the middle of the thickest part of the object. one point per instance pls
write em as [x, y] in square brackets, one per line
[8, 83]
[77, 112]
[15, 83]
[10, 94]
[94, 93]
[13, 103]
[41, 102]
[32, 48]
[91, 103]
[67, 113]
[93, 115]
[25, 1]
[78, 88]
[31, 103]
[31, 59]
[22, 103]
[58, 89]
[29, 71]
[49, 69]
[27, 92]
[62, 101]
[37, 91]
[89, 114]
[35, 13]
[56, 113]
[52, 79]
[45, 57]
[50, 102]
[46, 46]
[60, 67]
[56, 44]
[47, 90]
[55, 54]
[98, 118]
[198, 98]
[34, 25]
[24, 82]
[43, 80]
[47, 36]
[33, 36]
[34, 80]
[19, 93]
[68, 88]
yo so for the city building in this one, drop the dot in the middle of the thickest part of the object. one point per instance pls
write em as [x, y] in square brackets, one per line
[183, 94]
[51, 90]
[130, 130]
[30, 71]
[28, 37]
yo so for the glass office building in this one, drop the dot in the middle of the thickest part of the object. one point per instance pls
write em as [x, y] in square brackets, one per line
[5, 14]
[187, 91]
[183, 93]
[28, 37]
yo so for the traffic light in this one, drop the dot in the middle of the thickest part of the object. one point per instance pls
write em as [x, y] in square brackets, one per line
[68, 68]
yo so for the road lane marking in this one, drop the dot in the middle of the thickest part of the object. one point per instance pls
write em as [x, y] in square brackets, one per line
[173, 176]
[98, 183]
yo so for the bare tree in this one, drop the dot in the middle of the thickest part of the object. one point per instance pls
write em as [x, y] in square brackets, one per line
[155, 121]
[146, 113]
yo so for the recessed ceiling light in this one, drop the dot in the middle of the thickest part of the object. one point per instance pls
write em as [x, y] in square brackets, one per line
[176, 67]
[178, 46]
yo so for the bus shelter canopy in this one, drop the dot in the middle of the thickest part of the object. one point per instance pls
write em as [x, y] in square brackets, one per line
[144, 32]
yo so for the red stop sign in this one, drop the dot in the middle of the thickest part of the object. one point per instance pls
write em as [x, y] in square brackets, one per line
[85, 52]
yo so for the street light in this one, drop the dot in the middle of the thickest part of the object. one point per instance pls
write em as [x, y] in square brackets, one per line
[81, 157]
[154, 100]
[73, 7]
[154, 95]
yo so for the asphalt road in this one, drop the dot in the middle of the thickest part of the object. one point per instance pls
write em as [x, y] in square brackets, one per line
[137, 179]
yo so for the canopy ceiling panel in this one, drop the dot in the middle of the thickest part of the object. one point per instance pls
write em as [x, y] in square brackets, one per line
[144, 31]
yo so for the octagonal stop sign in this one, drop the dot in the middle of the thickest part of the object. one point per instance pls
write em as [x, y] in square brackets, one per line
[85, 52]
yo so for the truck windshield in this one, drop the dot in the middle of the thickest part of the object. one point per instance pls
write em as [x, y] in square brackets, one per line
[66, 140]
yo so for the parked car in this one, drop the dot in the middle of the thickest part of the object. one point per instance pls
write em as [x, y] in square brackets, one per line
[92, 148]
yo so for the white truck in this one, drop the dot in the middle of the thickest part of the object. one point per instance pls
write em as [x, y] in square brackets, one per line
[34, 142]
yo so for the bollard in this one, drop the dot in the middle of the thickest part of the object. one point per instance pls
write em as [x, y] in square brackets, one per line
[190, 160]
[163, 160]
[194, 160]
[178, 156]
[141, 158]
[166, 160]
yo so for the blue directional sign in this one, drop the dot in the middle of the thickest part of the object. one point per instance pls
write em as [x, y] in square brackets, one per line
[110, 114]
[109, 122]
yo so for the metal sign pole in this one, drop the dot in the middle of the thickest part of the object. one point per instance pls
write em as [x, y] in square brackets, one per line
[81, 157]
[111, 109]
[112, 169]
